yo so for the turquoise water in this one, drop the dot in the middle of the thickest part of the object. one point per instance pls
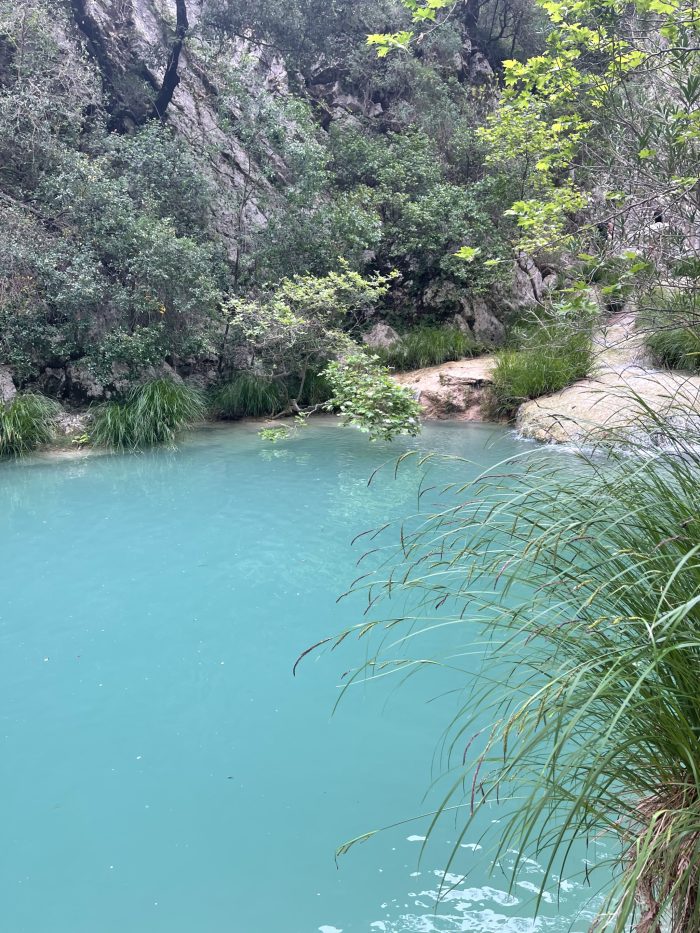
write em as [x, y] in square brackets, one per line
[161, 769]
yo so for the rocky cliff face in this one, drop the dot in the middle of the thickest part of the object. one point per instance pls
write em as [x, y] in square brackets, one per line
[144, 48]
[116, 254]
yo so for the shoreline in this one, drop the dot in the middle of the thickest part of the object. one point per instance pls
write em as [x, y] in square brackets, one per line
[613, 398]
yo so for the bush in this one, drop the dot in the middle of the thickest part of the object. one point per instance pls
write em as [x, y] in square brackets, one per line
[247, 395]
[368, 398]
[555, 357]
[429, 346]
[151, 414]
[26, 423]
[671, 325]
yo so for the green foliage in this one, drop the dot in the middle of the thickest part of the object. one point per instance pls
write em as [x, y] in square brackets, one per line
[315, 390]
[670, 322]
[103, 235]
[144, 347]
[162, 178]
[429, 346]
[110, 252]
[428, 207]
[554, 356]
[132, 259]
[247, 395]
[279, 433]
[584, 586]
[48, 90]
[153, 413]
[368, 398]
[298, 326]
[27, 422]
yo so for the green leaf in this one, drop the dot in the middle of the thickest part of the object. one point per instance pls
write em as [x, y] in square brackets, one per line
[468, 253]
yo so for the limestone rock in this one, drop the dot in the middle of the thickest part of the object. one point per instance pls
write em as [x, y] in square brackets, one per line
[451, 390]
[480, 71]
[127, 42]
[381, 337]
[7, 385]
[616, 397]
[72, 423]
[487, 328]
[52, 381]
[477, 315]
[444, 298]
[84, 386]
[528, 286]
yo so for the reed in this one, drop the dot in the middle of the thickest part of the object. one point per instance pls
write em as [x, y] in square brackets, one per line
[584, 586]
[670, 322]
[151, 414]
[27, 422]
[246, 395]
[554, 357]
[429, 346]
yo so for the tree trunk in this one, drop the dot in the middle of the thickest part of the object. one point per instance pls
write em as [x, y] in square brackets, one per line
[171, 78]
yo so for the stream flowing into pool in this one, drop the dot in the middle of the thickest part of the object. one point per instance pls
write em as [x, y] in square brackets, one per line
[161, 770]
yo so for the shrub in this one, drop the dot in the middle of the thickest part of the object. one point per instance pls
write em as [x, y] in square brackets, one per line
[368, 398]
[554, 357]
[150, 414]
[429, 346]
[247, 395]
[671, 325]
[26, 423]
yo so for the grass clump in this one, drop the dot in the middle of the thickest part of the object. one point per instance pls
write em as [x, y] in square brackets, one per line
[428, 346]
[151, 414]
[27, 422]
[583, 586]
[553, 357]
[246, 395]
[670, 322]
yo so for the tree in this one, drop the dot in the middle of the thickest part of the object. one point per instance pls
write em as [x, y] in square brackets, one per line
[601, 129]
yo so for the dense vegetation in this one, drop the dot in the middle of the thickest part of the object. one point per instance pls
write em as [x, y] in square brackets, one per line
[27, 422]
[127, 243]
[152, 413]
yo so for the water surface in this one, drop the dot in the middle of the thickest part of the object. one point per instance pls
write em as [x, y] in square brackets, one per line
[161, 770]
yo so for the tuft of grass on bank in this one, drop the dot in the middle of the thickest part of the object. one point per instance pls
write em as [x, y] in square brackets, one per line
[553, 357]
[246, 395]
[670, 322]
[429, 346]
[26, 423]
[151, 414]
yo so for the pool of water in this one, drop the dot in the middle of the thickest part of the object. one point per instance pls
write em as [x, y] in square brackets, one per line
[161, 770]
